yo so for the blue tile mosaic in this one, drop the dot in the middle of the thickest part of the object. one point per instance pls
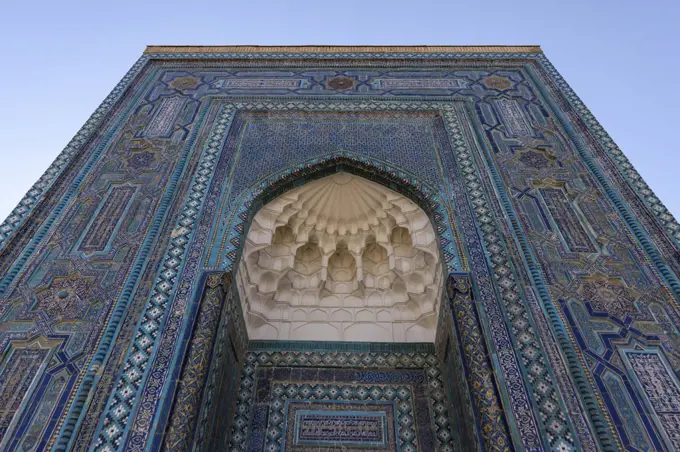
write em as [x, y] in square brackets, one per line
[120, 329]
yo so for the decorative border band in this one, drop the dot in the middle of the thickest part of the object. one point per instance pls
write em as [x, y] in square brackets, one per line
[38, 190]
[343, 49]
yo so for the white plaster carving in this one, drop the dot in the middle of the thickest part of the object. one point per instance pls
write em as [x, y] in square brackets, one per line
[341, 258]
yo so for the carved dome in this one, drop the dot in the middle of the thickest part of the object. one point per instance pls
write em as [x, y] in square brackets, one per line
[341, 258]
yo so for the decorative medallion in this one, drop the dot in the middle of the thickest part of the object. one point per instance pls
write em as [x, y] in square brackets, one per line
[608, 295]
[183, 83]
[497, 82]
[139, 160]
[536, 158]
[340, 83]
[65, 299]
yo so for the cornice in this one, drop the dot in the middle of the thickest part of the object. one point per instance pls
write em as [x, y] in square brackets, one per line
[156, 49]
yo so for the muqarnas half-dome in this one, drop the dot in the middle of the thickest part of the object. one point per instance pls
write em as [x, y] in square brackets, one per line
[341, 259]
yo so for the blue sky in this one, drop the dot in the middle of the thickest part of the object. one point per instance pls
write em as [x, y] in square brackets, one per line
[60, 59]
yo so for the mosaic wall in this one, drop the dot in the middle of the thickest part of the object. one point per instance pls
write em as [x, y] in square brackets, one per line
[312, 395]
[561, 327]
[466, 423]
[204, 400]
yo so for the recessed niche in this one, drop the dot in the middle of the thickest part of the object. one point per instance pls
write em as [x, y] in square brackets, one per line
[346, 253]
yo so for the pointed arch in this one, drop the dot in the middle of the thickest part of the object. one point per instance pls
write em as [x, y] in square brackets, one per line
[381, 172]
[488, 423]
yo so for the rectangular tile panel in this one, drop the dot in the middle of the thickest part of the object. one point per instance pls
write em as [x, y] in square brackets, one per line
[340, 428]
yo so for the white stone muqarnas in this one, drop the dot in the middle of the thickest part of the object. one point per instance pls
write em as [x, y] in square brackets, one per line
[341, 259]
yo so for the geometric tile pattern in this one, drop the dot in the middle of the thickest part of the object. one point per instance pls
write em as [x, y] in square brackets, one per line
[420, 84]
[273, 381]
[516, 123]
[339, 424]
[565, 217]
[329, 427]
[661, 387]
[563, 259]
[183, 228]
[208, 354]
[15, 379]
[623, 165]
[164, 119]
[533, 362]
[449, 345]
[151, 320]
[106, 219]
[35, 194]
[572, 257]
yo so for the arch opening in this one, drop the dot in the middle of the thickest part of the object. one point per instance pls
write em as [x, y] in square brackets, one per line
[341, 258]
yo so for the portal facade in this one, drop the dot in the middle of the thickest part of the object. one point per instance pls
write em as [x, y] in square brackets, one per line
[340, 248]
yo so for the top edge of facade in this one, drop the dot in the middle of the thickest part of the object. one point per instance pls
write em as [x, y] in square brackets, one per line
[156, 49]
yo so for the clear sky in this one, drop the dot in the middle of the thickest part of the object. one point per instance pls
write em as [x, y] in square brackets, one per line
[61, 58]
